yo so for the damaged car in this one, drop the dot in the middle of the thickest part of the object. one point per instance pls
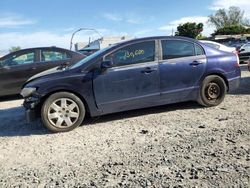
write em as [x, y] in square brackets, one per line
[135, 74]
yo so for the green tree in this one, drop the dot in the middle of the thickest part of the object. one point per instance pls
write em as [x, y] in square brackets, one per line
[226, 18]
[188, 29]
[232, 30]
[14, 48]
[201, 37]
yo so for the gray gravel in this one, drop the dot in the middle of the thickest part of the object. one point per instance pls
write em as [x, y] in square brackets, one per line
[180, 145]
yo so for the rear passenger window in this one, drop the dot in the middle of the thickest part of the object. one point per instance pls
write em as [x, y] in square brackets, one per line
[49, 55]
[199, 50]
[133, 54]
[176, 49]
[24, 58]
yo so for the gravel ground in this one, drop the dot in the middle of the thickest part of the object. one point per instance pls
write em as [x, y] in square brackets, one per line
[180, 145]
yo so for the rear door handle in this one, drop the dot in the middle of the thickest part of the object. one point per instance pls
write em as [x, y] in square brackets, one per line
[148, 70]
[195, 63]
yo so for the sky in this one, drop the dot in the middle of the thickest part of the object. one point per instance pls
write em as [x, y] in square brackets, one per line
[33, 23]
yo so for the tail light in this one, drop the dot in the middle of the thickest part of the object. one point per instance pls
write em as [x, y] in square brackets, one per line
[238, 60]
[236, 52]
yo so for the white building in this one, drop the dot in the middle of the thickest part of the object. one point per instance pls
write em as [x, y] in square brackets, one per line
[99, 43]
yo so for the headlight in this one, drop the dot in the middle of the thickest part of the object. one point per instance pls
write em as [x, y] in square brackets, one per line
[27, 91]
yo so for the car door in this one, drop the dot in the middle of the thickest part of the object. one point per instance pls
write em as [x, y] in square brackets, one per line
[181, 67]
[15, 70]
[132, 82]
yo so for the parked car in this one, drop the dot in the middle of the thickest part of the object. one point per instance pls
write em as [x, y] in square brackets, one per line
[244, 54]
[17, 67]
[219, 46]
[134, 74]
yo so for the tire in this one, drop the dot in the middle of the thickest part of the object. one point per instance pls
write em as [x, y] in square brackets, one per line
[212, 91]
[62, 112]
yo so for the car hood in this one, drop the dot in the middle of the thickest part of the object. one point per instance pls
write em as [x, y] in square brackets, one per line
[44, 73]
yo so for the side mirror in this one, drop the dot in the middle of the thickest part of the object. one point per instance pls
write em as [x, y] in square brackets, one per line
[106, 64]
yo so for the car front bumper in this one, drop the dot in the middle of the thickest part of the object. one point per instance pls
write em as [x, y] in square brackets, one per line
[244, 58]
[32, 109]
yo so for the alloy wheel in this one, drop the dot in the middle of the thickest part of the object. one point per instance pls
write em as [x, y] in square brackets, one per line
[63, 113]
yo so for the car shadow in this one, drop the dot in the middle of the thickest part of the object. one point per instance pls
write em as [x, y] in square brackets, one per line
[141, 112]
[12, 123]
[244, 88]
[10, 98]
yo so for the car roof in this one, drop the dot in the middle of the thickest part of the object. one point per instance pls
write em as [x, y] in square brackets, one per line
[155, 38]
[209, 41]
[162, 37]
[39, 48]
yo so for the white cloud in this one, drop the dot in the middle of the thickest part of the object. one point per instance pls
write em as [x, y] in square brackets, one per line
[13, 20]
[144, 32]
[39, 39]
[207, 29]
[129, 18]
[133, 21]
[48, 38]
[242, 4]
[112, 17]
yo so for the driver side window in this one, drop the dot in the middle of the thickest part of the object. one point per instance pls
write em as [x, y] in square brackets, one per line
[132, 54]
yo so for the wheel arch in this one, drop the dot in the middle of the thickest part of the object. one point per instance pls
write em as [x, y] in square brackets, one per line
[217, 74]
[69, 91]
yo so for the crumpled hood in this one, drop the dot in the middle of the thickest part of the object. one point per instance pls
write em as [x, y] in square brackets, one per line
[44, 73]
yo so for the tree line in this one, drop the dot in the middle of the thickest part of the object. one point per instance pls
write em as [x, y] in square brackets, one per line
[226, 22]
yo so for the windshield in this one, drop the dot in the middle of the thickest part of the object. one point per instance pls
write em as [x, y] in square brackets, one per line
[90, 57]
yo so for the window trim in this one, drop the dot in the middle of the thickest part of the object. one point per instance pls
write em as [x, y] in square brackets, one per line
[179, 58]
[156, 58]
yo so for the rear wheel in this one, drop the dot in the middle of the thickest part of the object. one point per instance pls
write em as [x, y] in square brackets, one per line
[212, 91]
[62, 112]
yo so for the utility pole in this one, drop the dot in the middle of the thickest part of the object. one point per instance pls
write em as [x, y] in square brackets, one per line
[73, 34]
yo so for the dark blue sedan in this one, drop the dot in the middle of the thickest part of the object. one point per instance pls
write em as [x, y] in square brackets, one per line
[135, 74]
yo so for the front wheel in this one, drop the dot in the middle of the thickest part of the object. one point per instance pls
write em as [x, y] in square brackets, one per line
[212, 91]
[62, 112]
